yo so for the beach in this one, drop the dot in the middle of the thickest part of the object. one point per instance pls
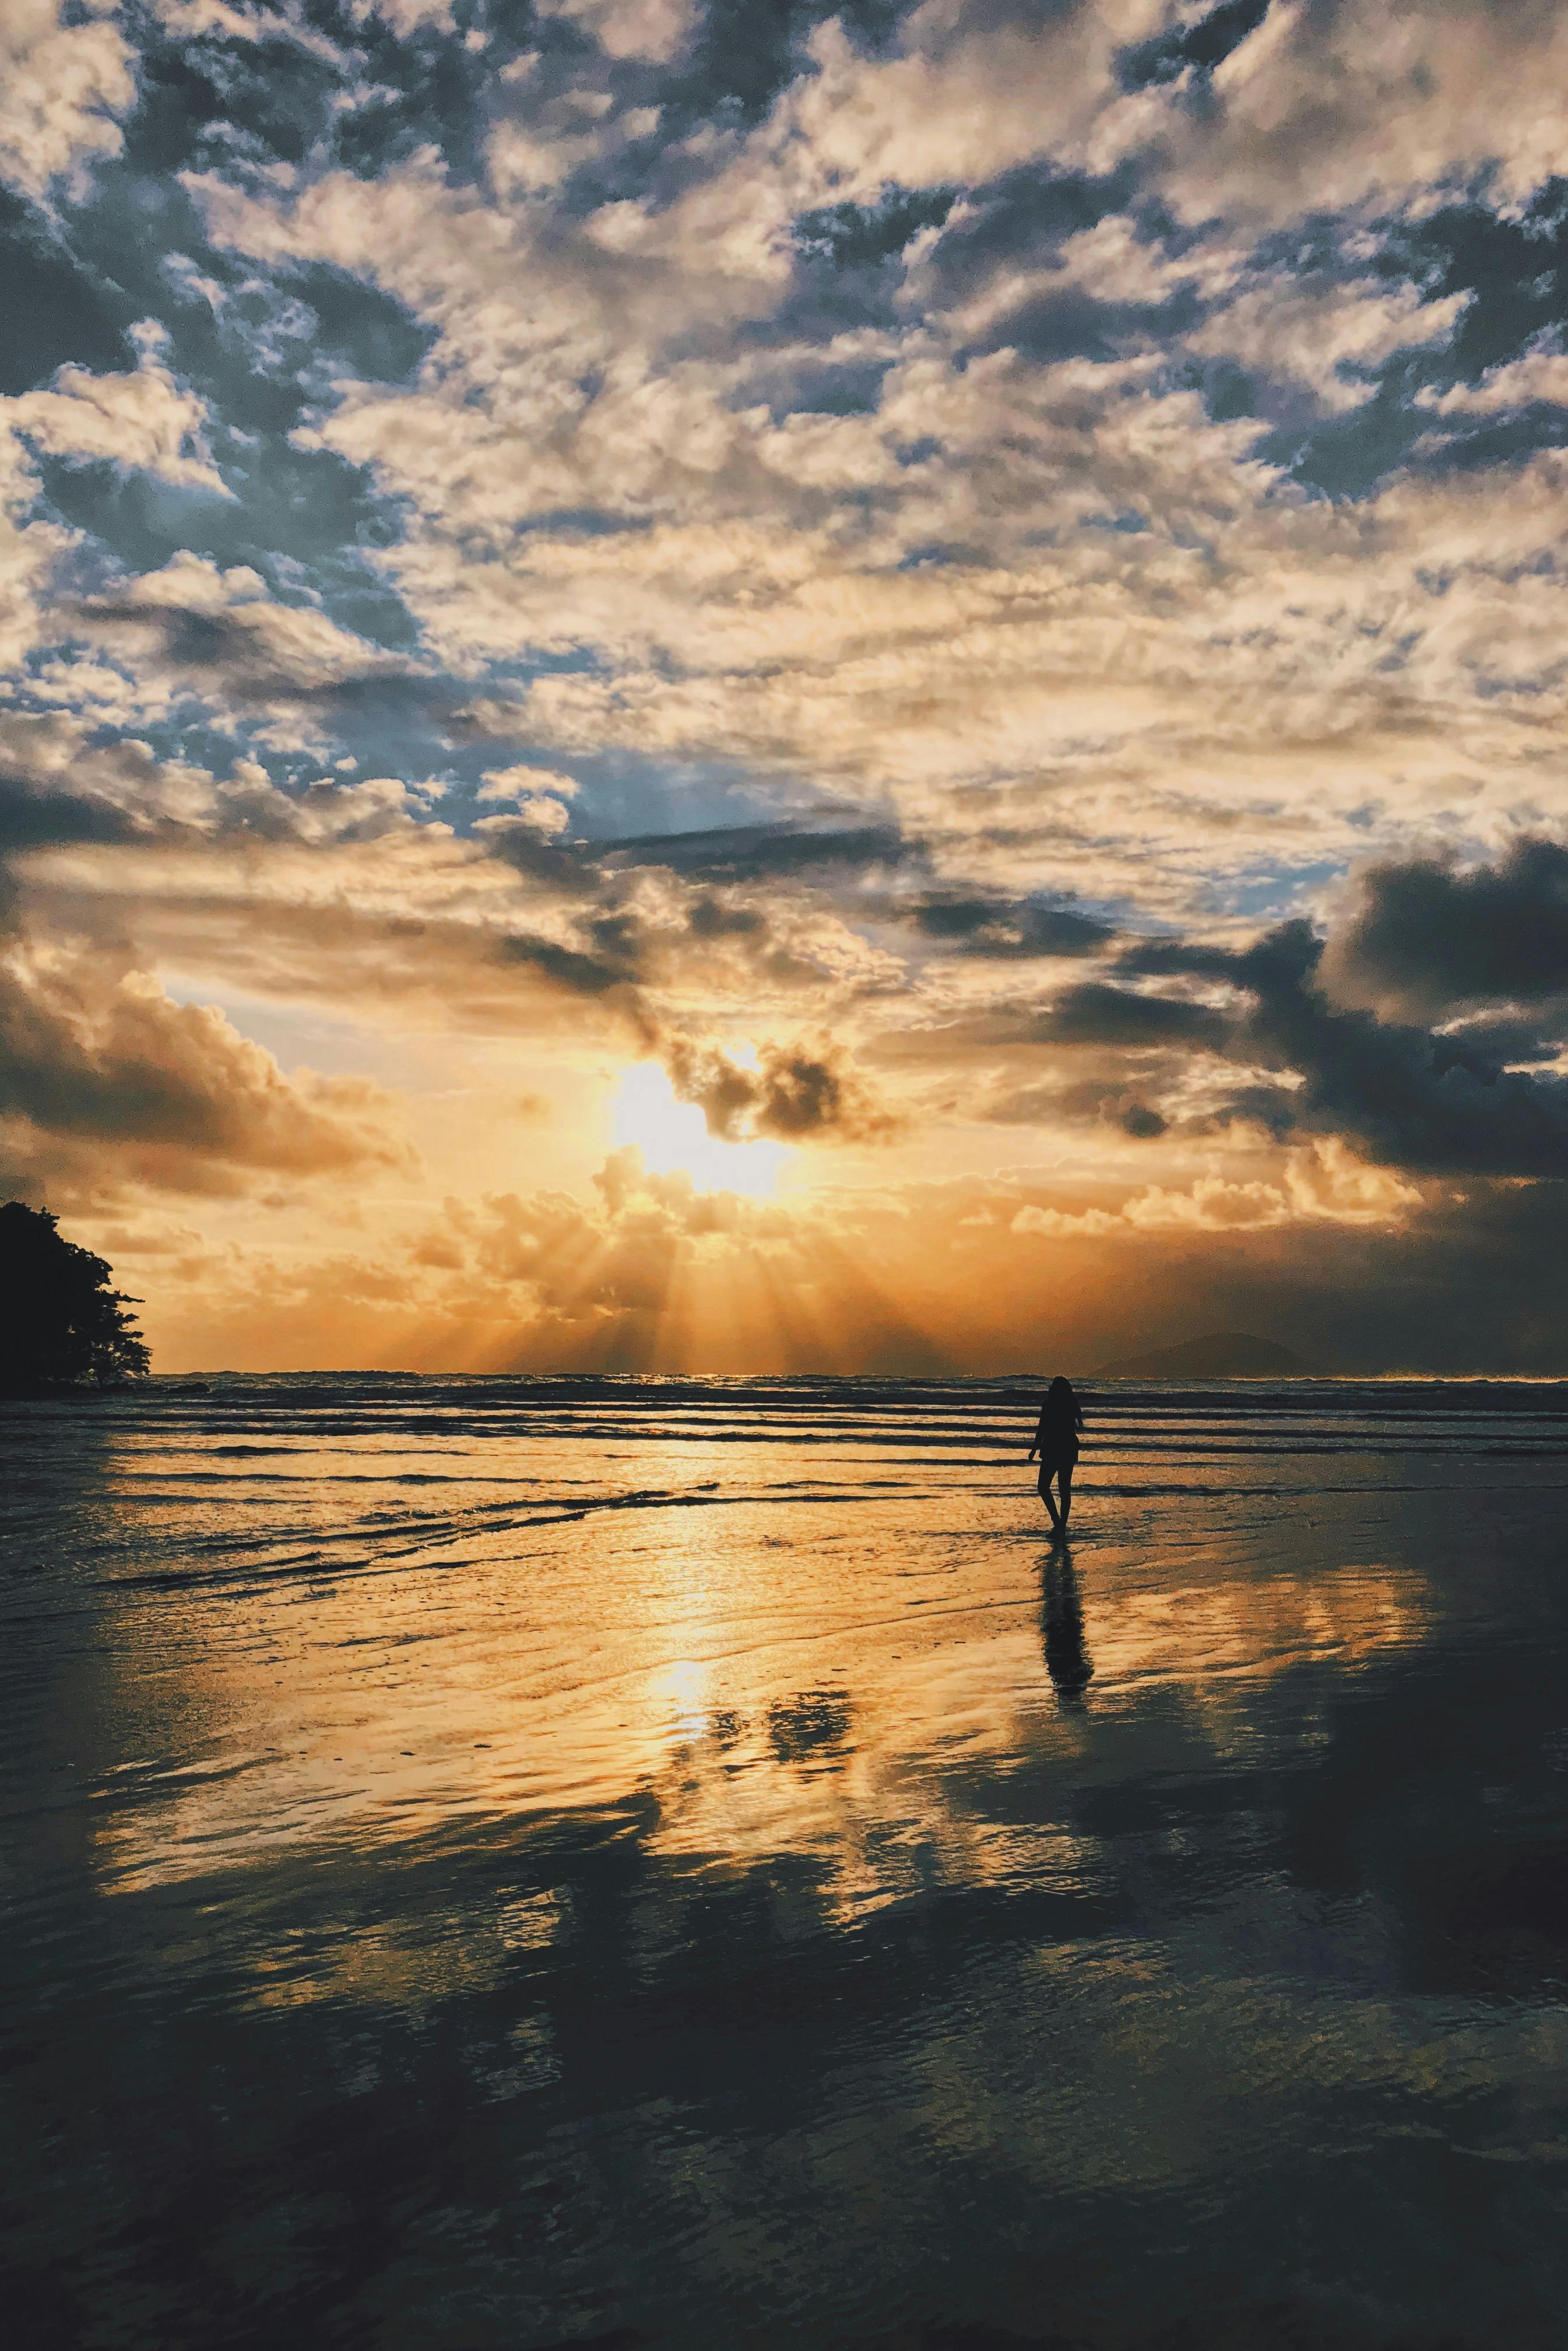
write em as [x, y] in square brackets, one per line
[629, 1862]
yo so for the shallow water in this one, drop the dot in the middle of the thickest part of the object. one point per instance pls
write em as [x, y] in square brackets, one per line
[640, 1862]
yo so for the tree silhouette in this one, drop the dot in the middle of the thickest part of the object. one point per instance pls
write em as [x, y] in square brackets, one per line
[61, 1325]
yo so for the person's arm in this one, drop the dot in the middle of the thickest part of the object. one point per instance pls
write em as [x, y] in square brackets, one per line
[1039, 1432]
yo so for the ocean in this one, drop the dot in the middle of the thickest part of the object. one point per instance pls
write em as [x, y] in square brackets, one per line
[628, 1861]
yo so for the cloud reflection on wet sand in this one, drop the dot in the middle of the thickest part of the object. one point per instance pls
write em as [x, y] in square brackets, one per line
[821, 1913]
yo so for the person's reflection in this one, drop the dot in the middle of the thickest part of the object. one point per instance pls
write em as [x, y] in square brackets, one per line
[1062, 1623]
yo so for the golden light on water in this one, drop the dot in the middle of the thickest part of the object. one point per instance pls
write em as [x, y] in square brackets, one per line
[673, 1139]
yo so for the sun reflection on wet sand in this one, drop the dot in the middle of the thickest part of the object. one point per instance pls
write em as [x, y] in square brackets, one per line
[585, 1668]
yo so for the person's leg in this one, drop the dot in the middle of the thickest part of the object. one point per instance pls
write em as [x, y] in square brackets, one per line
[1046, 1496]
[1065, 1478]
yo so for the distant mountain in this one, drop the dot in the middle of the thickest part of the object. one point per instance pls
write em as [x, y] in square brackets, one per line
[1222, 1356]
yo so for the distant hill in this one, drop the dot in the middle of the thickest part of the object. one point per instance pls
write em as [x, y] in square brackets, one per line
[1222, 1356]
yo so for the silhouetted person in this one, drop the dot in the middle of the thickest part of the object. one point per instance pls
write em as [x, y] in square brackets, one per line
[1067, 1659]
[1056, 1443]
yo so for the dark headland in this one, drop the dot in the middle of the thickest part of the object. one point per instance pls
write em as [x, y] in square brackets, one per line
[1219, 1355]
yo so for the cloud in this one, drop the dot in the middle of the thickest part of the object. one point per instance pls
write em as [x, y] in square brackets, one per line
[1065, 584]
[349, 895]
[30, 547]
[1093, 1016]
[406, 16]
[1328, 337]
[1333, 104]
[966, 92]
[1321, 1182]
[609, 970]
[657, 30]
[511, 783]
[144, 423]
[1057, 1224]
[935, 1276]
[63, 89]
[1540, 375]
[539, 793]
[225, 632]
[1300, 1018]
[1327, 1180]
[96, 1062]
[800, 1092]
[58, 788]
[1212, 1205]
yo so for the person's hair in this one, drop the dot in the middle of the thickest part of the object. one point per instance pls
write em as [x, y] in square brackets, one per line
[1061, 1387]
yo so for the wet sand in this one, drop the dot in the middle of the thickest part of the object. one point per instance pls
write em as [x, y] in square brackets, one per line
[643, 1862]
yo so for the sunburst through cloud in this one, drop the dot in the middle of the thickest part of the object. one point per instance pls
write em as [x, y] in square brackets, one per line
[673, 1138]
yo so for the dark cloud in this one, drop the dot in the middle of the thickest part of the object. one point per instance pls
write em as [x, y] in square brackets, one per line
[57, 311]
[1071, 323]
[1431, 1101]
[760, 853]
[566, 867]
[1476, 1281]
[1106, 1097]
[1274, 1108]
[795, 1093]
[1096, 1014]
[1176, 958]
[34, 818]
[1009, 233]
[851, 234]
[580, 974]
[1192, 48]
[727, 860]
[255, 651]
[1511, 267]
[1016, 218]
[746, 51]
[35, 814]
[628, 939]
[1509, 1042]
[1001, 928]
[1435, 1100]
[715, 918]
[1408, 1096]
[1426, 938]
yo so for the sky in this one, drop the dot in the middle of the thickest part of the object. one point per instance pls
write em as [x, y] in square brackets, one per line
[720, 684]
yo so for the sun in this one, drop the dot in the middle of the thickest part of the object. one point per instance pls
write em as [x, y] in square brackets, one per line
[673, 1137]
